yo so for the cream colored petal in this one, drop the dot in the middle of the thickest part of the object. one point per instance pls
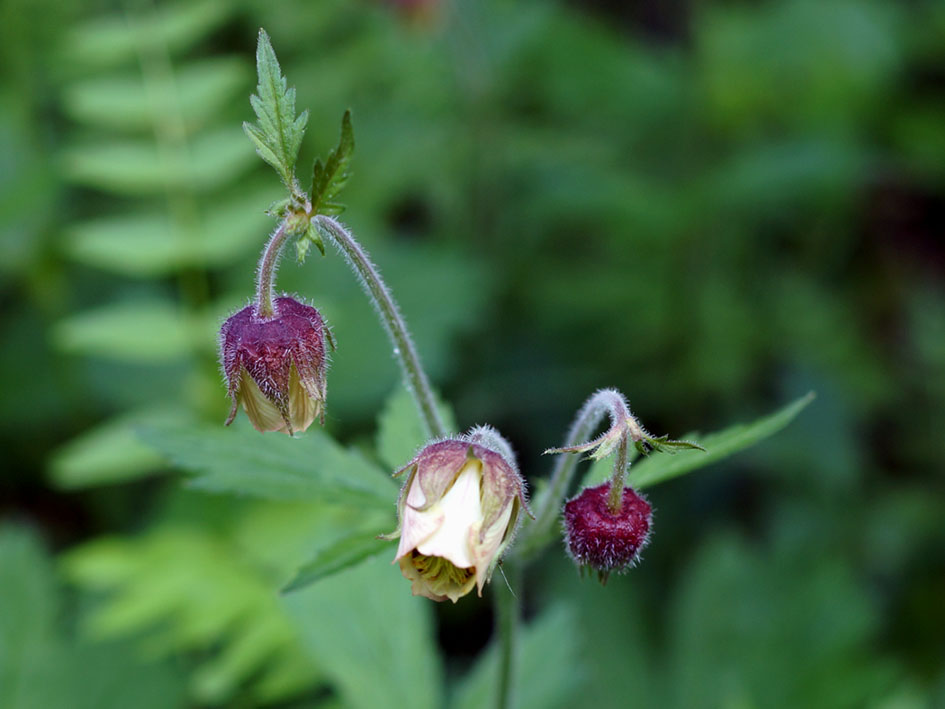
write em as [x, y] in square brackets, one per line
[484, 551]
[303, 409]
[462, 509]
[416, 527]
[262, 413]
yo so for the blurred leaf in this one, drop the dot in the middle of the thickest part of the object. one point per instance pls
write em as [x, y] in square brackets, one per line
[400, 432]
[374, 641]
[147, 245]
[310, 467]
[144, 331]
[759, 628]
[198, 90]
[131, 167]
[329, 179]
[659, 468]
[191, 591]
[278, 135]
[344, 553]
[111, 451]
[111, 39]
[550, 670]
[42, 667]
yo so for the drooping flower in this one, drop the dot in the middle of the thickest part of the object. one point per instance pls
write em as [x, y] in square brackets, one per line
[604, 540]
[458, 511]
[275, 367]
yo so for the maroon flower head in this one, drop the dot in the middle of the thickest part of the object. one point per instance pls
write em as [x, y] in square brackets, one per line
[276, 367]
[601, 539]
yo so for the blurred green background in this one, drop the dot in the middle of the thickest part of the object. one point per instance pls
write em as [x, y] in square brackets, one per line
[713, 206]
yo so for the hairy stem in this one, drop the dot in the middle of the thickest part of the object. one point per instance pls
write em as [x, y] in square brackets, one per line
[619, 476]
[507, 614]
[600, 404]
[266, 274]
[393, 322]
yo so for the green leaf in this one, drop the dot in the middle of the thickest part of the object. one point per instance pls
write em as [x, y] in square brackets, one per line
[137, 167]
[400, 431]
[278, 135]
[42, 665]
[346, 552]
[110, 452]
[151, 245]
[329, 178]
[310, 467]
[118, 37]
[199, 91]
[183, 589]
[659, 468]
[549, 673]
[143, 331]
[373, 640]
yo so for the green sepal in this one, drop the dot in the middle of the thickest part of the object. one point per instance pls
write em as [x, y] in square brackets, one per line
[663, 444]
[329, 178]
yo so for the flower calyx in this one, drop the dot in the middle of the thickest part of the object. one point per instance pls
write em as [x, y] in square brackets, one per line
[276, 367]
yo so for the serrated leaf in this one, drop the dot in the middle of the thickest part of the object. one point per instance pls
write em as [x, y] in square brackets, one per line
[400, 432]
[310, 467]
[279, 133]
[329, 178]
[549, 673]
[364, 623]
[342, 554]
[659, 468]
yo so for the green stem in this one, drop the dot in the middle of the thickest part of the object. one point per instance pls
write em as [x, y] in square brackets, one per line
[507, 614]
[619, 476]
[414, 376]
[600, 404]
[266, 274]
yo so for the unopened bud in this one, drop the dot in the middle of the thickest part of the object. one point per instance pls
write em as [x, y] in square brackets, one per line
[275, 367]
[604, 540]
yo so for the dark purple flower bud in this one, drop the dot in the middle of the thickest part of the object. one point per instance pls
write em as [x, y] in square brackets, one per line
[276, 367]
[604, 540]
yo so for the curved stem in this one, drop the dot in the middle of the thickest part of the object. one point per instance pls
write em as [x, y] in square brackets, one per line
[266, 274]
[393, 322]
[601, 403]
[507, 614]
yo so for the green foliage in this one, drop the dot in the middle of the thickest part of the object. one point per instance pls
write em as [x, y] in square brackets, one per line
[278, 135]
[41, 665]
[400, 432]
[551, 671]
[346, 552]
[373, 641]
[329, 178]
[310, 467]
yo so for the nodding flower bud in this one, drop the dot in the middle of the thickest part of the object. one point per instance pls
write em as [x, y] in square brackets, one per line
[604, 540]
[458, 511]
[275, 367]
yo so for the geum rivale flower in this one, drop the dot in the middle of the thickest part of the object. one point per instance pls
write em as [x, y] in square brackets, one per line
[458, 512]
